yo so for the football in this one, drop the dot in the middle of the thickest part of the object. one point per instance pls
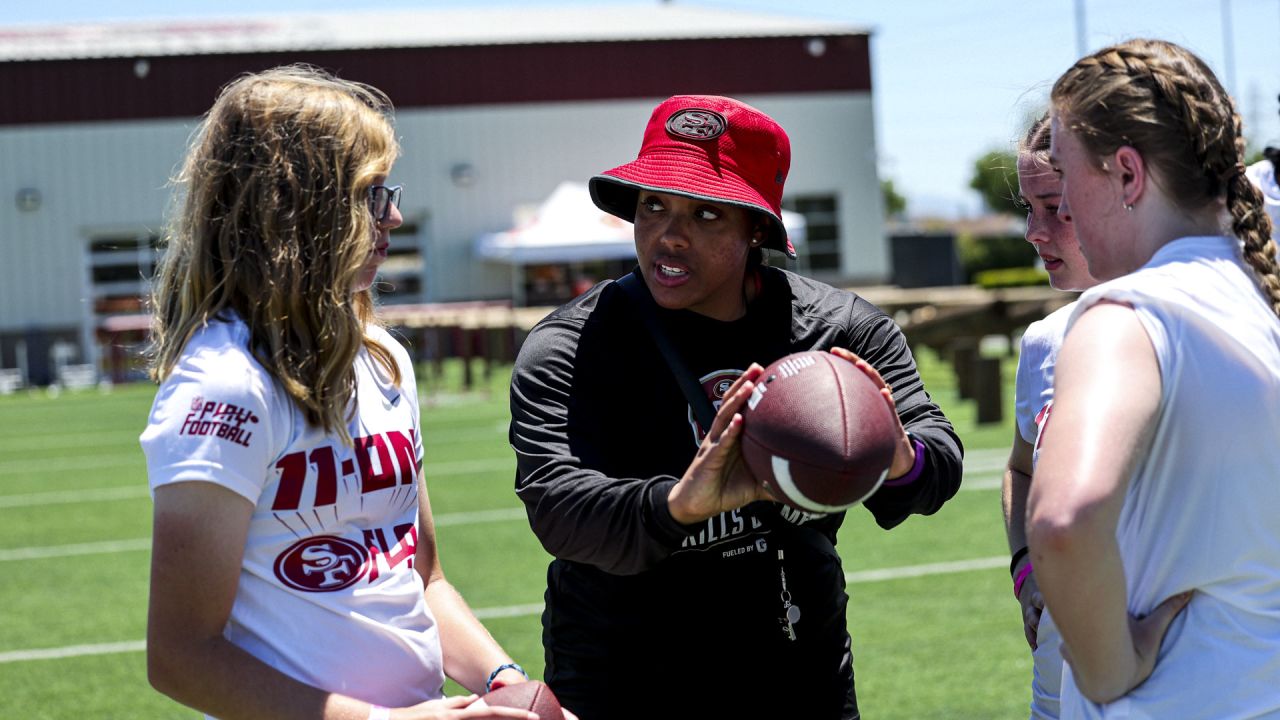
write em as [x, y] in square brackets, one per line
[818, 433]
[533, 696]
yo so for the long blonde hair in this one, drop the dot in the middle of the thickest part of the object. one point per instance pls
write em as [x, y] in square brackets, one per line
[274, 226]
[1165, 102]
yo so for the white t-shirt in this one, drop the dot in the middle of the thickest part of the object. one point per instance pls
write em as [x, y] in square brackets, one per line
[1033, 395]
[327, 592]
[1039, 353]
[1263, 174]
[1202, 510]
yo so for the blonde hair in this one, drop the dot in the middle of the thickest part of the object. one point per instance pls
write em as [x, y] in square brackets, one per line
[274, 226]
[1162, 100]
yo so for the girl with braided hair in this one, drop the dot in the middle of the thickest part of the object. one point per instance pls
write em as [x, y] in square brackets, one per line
[1151, 520]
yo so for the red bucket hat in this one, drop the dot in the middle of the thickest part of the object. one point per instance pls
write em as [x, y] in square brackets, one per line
[710, 148]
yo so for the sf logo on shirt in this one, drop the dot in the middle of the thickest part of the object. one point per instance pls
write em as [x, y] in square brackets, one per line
[323, 563]
[327, 563]
[715, 384]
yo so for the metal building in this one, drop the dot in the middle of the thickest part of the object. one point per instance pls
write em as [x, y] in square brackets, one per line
[495, 108]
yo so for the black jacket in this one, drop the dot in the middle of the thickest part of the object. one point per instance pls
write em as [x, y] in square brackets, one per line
[602, 432]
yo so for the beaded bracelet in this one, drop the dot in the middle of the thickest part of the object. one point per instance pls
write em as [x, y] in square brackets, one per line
[488, 684]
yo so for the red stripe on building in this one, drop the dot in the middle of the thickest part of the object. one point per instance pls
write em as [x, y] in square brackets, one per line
[82, 90]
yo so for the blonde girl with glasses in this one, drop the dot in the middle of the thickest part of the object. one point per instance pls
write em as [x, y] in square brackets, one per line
[294, 567]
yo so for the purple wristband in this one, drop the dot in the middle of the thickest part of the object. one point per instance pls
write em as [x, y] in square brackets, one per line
[1019, 579]
[916, 468]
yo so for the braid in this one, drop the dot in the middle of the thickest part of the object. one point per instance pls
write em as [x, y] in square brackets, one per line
[1253, 226]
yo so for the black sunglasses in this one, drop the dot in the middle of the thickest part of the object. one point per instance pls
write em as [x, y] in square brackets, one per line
[381, 198]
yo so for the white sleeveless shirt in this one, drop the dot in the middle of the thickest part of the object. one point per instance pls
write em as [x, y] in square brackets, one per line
[1202, 510]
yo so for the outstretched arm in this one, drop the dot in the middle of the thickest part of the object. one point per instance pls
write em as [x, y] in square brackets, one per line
[923, 490]
[470, 652]
[618, 524]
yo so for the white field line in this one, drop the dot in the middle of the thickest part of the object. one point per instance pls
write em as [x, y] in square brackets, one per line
[913, 571]
[105, 547]
[17, 442]
[133, 492]
[108, 547]
[127, 492]
[73, 651]
[978, 466]
[511, 611]
[20, 442]
[70, 464]
[66, 497]
[481, 516]
[103, 460]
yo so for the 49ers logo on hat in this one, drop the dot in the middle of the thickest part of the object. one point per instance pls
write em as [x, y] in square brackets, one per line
[323, 563]
[696, 124]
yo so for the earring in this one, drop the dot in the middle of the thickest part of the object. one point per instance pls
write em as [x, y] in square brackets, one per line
[1128, 206]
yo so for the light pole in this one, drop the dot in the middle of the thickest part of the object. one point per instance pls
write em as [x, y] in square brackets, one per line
[1081, 45]
[1228, 49]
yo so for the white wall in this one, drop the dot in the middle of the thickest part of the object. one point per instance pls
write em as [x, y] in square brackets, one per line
[93, 179]
[833, 148]
[107, 177]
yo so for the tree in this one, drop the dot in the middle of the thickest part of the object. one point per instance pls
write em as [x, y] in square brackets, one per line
[895, 204]
[995, 177]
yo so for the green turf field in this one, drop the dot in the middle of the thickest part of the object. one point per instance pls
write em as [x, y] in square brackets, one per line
[936, 631]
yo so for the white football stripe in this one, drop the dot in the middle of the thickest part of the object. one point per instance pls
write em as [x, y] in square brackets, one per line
[782, 473]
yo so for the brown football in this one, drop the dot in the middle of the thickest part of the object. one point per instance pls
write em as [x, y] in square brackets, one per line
[818, 433]
[533, 696]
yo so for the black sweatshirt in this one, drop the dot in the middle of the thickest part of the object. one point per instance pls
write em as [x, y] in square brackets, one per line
[692, 614]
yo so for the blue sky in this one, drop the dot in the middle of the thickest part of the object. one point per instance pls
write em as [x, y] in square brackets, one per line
[952, 79]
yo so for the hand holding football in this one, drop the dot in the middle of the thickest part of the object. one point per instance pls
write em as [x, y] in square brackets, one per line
[533, 696]
[818, 433]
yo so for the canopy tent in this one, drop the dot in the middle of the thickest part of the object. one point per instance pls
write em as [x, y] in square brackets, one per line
[569, 228]
[566, 228]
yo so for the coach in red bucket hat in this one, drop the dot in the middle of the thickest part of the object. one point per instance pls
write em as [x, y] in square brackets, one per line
[630, 411]
[710, 148]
